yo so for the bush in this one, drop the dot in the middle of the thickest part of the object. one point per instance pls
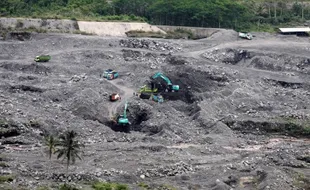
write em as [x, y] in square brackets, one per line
[6, 178]
[67, 187]
[109, 186]
[121, 187]
[43, 188]
[3, 165]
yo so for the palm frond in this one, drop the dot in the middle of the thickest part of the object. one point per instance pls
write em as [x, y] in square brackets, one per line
[70, 147]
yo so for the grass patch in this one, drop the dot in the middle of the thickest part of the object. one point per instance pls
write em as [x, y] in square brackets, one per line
[4, 123]
[10, 187]
[296, 127]
[6, 178]
[3, 165]
[67, 187]
[301, 181]
[109, 186]
[143, 185]
[43, 188]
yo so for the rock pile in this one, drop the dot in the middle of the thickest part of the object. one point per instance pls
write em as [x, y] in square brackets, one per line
[164, 171]
[232, 56]
[77, 78]
[150, 45]
[71, 177]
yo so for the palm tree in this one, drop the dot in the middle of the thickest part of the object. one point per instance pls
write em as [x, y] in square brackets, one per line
[50, 142]
[69, 147]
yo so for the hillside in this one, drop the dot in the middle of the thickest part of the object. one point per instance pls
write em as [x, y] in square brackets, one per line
[261, 15]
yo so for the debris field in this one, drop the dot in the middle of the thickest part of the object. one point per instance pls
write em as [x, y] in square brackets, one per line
[240, 119]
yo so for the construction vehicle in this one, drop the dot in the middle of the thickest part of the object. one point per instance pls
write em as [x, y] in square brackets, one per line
[114, 97]
[121, 122]
[146, 89]
[42, 58]
[110, 74]
[170, 87]
[158, 98]
[246, 35]
[122, 119]
[106, 72]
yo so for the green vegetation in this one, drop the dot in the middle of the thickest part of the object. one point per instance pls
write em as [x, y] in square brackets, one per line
[296, 127]
[301, 181]
[6, 178]
[69, 147]
[50, 143]
[3, 165]
[3, 158]
[43, 188]
[175, 34]
[67, 187]
[259, 15]
[143, 185]
[109, 186]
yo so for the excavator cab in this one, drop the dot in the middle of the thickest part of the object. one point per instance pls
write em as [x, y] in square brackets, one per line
[174, 88]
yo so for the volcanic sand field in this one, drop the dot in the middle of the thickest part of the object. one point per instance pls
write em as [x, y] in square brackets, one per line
[239, 121]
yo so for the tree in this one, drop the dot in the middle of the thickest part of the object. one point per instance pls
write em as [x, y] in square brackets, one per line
[69, 147]
[50, 142]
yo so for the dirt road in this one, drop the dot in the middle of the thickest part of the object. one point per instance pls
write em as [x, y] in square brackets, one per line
[125, 94]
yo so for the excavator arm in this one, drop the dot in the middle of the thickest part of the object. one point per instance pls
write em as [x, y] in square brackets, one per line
[125, 110]
[158, 74]
[167, 80]
[122, 119]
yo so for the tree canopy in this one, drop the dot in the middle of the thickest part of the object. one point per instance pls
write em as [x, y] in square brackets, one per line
[237, 14]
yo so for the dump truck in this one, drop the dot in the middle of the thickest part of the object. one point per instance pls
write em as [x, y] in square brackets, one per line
[106, 72]
[115, 97]
[110, 74]
[246, 35]
[42, 58]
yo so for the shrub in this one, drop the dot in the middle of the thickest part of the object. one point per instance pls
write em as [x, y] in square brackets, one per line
[109, 186]
[67, 187]
[3, 165]
[6, 178]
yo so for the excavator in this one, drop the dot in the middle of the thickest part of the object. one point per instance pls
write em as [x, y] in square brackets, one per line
[122, 121]
[170, 87]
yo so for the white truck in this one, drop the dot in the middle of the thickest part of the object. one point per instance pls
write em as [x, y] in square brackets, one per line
[246, 35]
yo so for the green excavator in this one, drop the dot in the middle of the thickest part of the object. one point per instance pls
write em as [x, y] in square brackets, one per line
[122, 119]
[170, 87]
[121, 122]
